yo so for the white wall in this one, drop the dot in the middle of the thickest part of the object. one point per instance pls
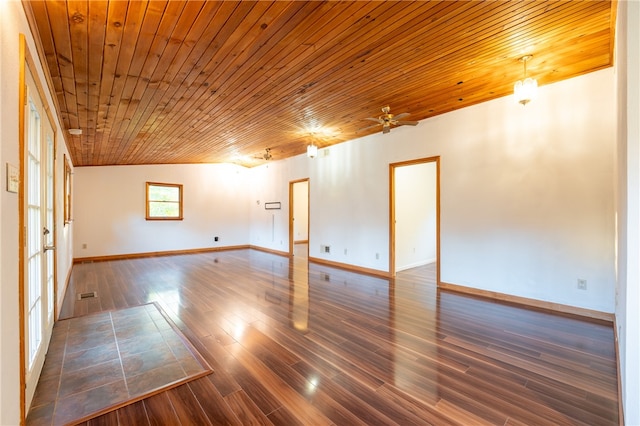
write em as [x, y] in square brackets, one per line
[628, 206]
[349, 202]
[415, 215]
[526, 194]
[527, 204]
[270, 183]
[109, 206]
[12, 23]
[10, 19]
[301, 211]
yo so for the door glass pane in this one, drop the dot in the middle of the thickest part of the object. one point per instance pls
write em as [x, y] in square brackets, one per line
[49, 239]
[34, 229]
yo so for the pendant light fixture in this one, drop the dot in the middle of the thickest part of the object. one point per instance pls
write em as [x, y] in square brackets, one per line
[525, 90]
[312, 150]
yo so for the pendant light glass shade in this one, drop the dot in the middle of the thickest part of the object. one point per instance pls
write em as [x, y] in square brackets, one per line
[525, 90]
[312, 151]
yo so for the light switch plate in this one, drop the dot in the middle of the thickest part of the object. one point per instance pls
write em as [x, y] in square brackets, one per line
[13, 178]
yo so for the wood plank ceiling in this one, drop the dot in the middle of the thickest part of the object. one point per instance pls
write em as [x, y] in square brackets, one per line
[158, 82]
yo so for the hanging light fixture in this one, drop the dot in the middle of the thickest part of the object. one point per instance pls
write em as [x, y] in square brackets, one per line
[312, 150]
[524, 91]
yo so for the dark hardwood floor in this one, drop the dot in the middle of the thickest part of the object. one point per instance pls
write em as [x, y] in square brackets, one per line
[292, 343]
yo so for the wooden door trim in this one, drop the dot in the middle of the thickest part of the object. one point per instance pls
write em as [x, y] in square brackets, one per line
[392, 211]
[22, 100]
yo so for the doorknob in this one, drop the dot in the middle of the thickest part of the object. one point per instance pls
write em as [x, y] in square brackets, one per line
[45, 231]
[48, 247]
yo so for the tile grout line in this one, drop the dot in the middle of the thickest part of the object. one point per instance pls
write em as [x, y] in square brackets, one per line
[115, 338]
[64, 357]
[169, 345]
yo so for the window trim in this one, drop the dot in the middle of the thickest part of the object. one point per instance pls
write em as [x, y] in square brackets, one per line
[147, 201]
[67, 190]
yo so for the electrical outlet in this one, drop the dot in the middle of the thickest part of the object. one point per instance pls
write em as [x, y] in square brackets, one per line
[582, 284]
[377, 256]
[84, 246]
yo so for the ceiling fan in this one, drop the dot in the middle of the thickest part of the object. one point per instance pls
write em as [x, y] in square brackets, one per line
[387, 120]
[266, 156]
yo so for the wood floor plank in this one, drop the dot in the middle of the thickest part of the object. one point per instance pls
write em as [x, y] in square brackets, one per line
[246, 411]
[187, 406]
[292, 401]
[133, 415]
[254, 388]
[283, 417]
[418, 408]
[344, 348]
[109, 419]
[220, 361]
[160, 410]
[213, 404]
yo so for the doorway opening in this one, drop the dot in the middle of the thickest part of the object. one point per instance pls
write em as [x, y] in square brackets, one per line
[299, 217]
[414, 214]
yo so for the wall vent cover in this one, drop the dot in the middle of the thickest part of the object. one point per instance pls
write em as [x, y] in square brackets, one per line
[90, 295]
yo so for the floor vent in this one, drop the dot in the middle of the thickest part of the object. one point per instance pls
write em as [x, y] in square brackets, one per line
[91, 295]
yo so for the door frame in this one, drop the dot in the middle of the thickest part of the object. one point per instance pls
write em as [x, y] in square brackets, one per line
[392, 211]
[26, 62]
[291, 218]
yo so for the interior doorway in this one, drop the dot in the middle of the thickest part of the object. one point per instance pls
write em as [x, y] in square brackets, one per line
[299, 216]
[414, 214]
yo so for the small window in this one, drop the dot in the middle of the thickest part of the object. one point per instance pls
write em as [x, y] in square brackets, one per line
[164, 201]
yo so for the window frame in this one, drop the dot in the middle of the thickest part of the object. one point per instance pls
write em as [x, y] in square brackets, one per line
[67, 190]
[148, 201]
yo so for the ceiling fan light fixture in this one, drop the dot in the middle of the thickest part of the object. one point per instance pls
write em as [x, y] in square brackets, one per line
[524, 91]
[386, 120]
[312, 151]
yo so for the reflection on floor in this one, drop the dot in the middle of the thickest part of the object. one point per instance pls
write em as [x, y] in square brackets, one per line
[301, 250]
[103, 361]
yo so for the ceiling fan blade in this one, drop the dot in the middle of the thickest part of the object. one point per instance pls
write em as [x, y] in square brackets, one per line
[406, 123]
[377, 120]
[369, 127]
[399, 116]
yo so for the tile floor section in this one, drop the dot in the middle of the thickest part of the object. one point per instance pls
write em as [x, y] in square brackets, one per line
[104, 361]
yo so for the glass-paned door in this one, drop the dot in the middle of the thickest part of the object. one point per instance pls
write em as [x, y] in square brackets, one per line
[39, 262]
[49, 224]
